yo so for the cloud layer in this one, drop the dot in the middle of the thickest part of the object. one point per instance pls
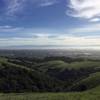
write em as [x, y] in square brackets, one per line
[56, 40]
[87, 9]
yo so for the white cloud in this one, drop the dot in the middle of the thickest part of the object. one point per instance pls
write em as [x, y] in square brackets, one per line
[86, 29]
[95, 19]
[44, 3]
[87, 9]
[8, 28]
[16, 6]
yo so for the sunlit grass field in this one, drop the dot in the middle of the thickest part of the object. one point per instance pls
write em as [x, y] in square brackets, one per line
[51, 96]
[93, 94]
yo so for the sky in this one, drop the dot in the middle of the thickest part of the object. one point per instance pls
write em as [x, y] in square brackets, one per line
[50, 23]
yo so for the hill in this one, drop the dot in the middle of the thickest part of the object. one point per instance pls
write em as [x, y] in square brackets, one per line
[92, 81]
[48, 75]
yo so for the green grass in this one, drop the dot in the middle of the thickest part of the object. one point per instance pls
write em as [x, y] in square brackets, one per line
[93, 94]
[52, 96]
[2, 60]
[85, 64]
[57, 64]
[91, 81]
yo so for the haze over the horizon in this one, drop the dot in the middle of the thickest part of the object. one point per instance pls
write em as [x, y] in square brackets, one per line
[50, 23]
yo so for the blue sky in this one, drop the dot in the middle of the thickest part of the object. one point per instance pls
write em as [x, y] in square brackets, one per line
[69, 23]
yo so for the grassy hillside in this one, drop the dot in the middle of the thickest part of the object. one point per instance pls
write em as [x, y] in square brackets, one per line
[92, 81]
[38, 75]
[18, 78]
[73, 65]
[93, 94]
[94, 90]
